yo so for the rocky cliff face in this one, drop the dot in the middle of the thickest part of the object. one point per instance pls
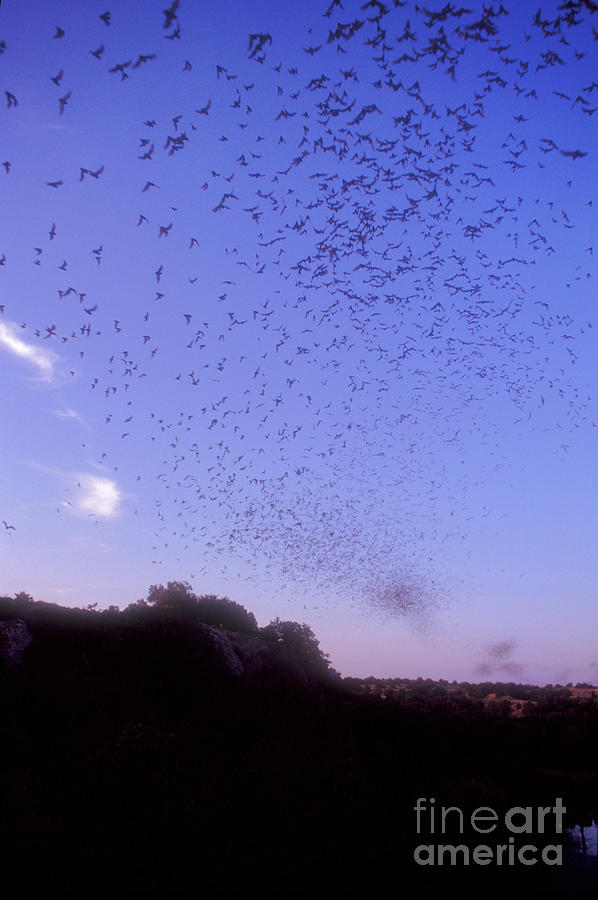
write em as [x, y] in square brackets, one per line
[241, 653]
[14, 640]
[246, 655]
[76, 632]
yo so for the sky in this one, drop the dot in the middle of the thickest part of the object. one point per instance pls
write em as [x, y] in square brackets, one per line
[299, 309]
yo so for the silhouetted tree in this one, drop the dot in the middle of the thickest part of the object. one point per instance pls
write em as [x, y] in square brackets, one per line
[298, 643]
[218, 611]
[177, 600]
[177, 596]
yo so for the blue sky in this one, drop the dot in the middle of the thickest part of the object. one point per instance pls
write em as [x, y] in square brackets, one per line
[337, 360]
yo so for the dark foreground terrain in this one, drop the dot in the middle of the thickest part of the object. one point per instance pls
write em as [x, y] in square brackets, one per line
[159, 749]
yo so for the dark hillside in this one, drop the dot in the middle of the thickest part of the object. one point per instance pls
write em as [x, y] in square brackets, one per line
[150, 750]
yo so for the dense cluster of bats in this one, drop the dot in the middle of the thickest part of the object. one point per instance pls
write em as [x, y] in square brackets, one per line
[392, 204]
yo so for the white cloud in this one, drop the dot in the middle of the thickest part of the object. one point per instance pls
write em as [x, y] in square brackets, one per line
[88, 494]
[44, 360]
[100, 496]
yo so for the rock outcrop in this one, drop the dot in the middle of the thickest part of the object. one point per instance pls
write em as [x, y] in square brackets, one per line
[241, 653]
[245, 655]
[14, 640]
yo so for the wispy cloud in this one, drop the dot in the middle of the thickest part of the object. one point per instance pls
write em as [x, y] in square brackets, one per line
[57, 126]
[43, 359]
[71, 414]
[100, 496]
